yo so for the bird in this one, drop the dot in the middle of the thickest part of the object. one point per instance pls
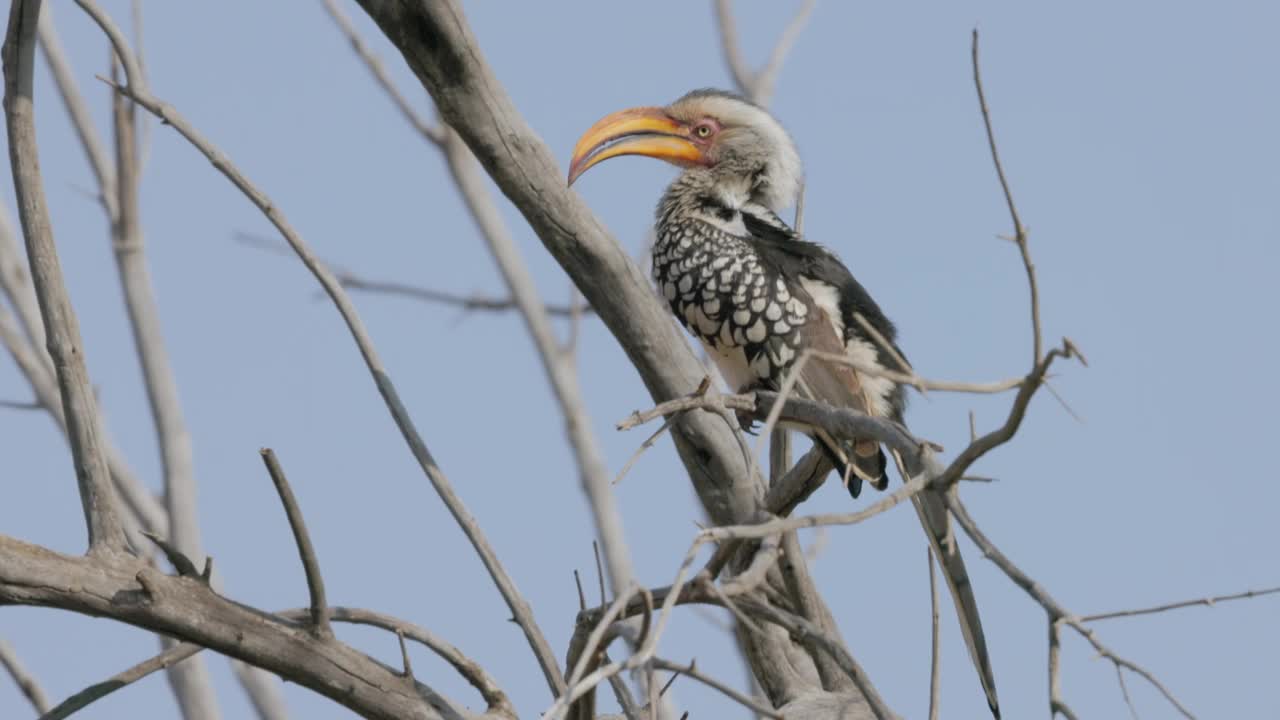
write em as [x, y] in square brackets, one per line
[758, 295]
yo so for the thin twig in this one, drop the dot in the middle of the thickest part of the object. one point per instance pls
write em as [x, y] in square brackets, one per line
[64, 78]
[469, 669]
[1056, 611]
[306, 551]
[1057, 706]
[742, 75]
[1205, 601]
[15, 283]
[626, 701]
[692, 672]
[404, 654]
[648, 443]
[1020, 230]
[432, 133]
[767, 77]
[25, 680]
[351, 280]
[519, 608]
[20, 405]
[1124, 691]
[757, 85]
[170, 657]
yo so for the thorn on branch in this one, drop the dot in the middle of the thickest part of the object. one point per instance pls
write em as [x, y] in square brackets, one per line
[404, 655]
[180, 562]
[582, 597]
[595, 546]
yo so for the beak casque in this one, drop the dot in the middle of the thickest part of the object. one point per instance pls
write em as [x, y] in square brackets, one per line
[645, 131]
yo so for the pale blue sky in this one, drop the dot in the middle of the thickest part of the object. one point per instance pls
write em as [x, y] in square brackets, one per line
[1141, 142]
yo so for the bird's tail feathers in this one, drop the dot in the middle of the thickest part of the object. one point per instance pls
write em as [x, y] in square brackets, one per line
[933, 514]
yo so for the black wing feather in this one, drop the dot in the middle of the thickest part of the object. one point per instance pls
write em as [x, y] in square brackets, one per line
[794, 256]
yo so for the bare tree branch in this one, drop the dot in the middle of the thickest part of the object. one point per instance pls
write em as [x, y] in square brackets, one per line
[767, 77]
[739, 70]
[1124, 692]
[1055, 610]
[757, 85]
[469, 669]
[126, 589]
[498, 703]
[1057, 706]
[25, 681]
[691, 670]
[1019, 230]
[519, 608]
[106, 534]
[191, 682]
[159, 380]
[15, 283]
[306, 551]
[1205, 601]
[171, 656]
[64, 78]
[558, 367]
[935, 661]
[803, 592]
[352, 280]
[429, 131]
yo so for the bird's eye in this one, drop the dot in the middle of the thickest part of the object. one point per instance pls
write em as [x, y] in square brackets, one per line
[702, 131]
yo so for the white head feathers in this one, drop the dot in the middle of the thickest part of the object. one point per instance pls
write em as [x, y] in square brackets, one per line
[750, 141]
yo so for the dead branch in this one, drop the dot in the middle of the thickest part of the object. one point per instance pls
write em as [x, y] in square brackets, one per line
[126, 589]
[429, 131]
[498, 703]
[106, 534]
[1204, 601]
[1019, 230]
[1055, 610]
[691, 671]
[306, 551]
[351, 280]
[173, 655]
[757, 85]
[159, 379]
[64, 77]
[25, 681]
[935, 656]
[802, 590]
[1057, 706]
[166, 113]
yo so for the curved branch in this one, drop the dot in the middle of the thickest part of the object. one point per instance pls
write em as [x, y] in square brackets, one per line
[498, 703]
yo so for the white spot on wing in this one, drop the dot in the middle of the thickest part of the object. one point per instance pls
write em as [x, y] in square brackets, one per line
[827, 298]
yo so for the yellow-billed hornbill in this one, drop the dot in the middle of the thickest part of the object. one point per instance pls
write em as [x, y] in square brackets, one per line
[757, 294]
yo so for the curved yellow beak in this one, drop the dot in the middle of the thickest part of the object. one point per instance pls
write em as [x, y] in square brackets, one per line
[645, 131]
